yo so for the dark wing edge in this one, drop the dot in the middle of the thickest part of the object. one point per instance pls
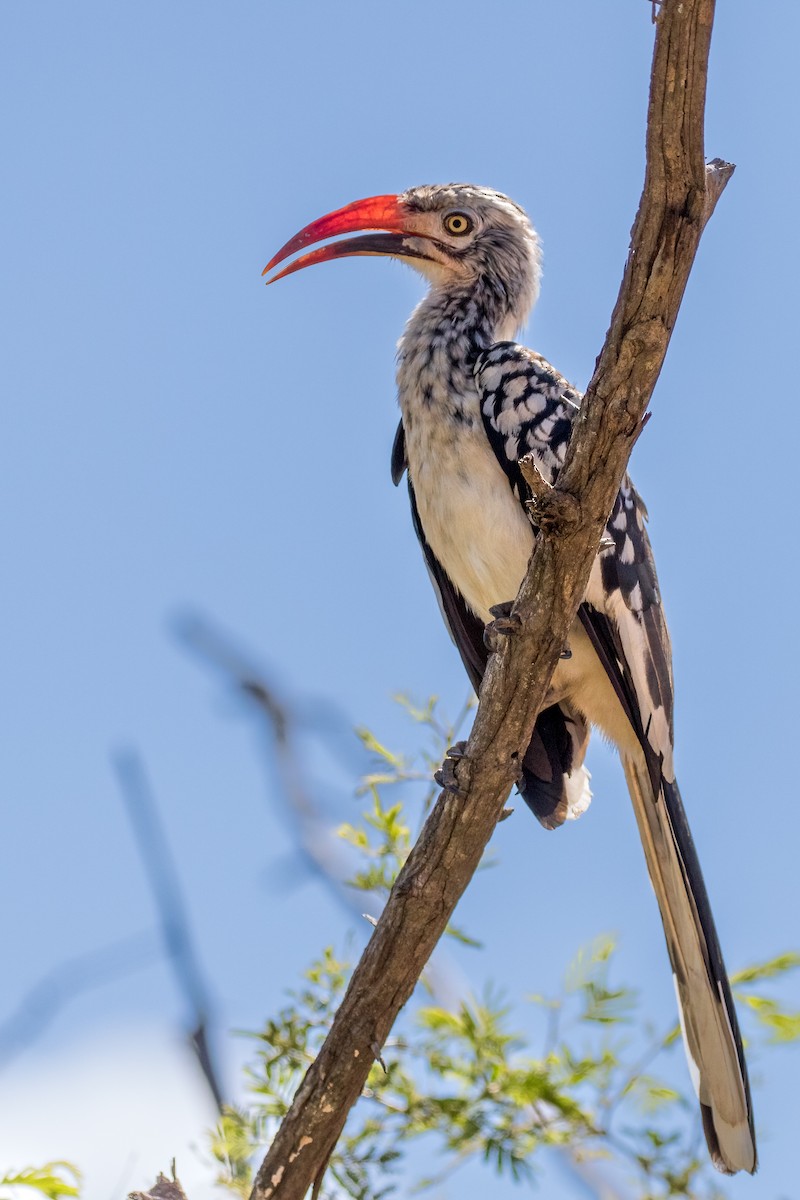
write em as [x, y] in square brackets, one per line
[465, 629]
[624, 582]
[399, 460]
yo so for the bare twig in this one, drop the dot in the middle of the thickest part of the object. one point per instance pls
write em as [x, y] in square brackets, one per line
[175, 929]
[671, 217]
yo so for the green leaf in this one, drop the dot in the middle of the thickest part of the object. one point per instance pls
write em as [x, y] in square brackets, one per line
[53, 1179]
[652, 1094]
[585, 964]
[783, 1026]
[356, 837]
[381, 779]
[454, 931]
[422, 716]
[607, 1007]
[779, 965]
[371, 743]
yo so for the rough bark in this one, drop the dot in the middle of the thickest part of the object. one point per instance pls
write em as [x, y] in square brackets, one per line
[680, 192]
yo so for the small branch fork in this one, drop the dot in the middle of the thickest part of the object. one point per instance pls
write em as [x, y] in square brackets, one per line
[679, 195]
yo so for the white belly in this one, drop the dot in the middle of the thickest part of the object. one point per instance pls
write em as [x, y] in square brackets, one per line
[473, 522]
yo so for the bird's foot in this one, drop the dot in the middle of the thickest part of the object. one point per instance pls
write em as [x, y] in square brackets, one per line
[446, 775]
[502, 612]
[504, 622]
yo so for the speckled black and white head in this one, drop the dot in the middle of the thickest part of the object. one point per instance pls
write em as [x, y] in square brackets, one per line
[459, 235]
[476, 235]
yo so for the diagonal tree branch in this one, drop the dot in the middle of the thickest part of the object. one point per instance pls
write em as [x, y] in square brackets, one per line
[678, 198]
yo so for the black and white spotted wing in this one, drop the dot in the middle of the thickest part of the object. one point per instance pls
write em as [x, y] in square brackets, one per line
[528, 407]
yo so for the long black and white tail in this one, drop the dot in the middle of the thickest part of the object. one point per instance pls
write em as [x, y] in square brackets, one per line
[708, 1018]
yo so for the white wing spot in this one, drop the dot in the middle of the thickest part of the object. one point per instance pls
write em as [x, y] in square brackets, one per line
[515, 389]
[507, 422]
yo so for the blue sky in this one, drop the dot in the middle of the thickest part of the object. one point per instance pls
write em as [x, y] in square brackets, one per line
[174, 436]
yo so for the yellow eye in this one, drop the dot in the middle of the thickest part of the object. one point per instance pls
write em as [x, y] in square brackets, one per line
[458, 224]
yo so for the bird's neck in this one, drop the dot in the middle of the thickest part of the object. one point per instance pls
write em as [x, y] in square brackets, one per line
[437, 352]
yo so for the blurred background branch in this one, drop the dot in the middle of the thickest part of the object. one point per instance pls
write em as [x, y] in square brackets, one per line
[162, 876]
[65, 983]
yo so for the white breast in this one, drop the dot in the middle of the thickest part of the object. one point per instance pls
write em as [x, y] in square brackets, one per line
[472, 520]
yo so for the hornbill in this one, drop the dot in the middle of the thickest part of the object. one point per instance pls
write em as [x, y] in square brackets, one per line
[473, 403]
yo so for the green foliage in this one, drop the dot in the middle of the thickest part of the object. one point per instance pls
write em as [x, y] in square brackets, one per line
[466, 1084]
[54, 1179]
[232, 1144]
[384, 841]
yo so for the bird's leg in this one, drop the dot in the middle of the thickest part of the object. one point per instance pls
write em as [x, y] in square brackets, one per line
[504, 622]
[446, 775]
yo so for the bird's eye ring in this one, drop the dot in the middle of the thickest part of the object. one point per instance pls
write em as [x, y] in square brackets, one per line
[458, 224]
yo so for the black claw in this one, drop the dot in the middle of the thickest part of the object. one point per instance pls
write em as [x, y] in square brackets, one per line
[457, 750]
[376, 1050]
[502, 610]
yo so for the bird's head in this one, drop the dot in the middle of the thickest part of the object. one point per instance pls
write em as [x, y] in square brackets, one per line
[458, 235]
